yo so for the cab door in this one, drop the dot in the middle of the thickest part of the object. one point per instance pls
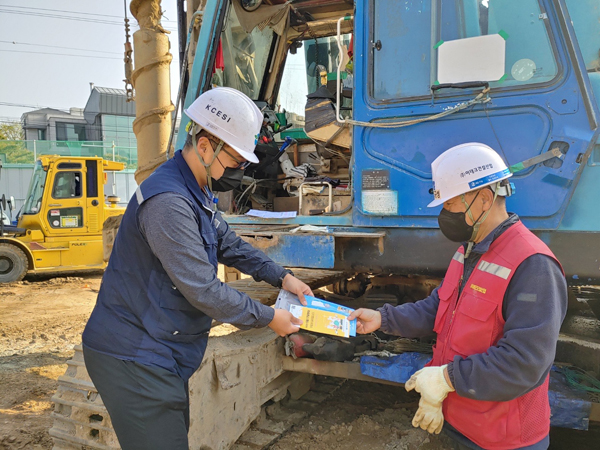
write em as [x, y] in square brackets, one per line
[418, 60]
[65, 212]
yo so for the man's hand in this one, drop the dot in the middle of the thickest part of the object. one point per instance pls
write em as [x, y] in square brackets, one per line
[429, 417]
[432, 384]
[367, 320]
[284, 323]
[295, 286]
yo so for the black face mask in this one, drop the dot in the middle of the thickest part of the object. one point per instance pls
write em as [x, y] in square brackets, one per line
[230, 180]
[454, 225]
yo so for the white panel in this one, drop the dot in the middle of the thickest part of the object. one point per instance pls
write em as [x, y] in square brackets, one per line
[480, 58]
[380, 202]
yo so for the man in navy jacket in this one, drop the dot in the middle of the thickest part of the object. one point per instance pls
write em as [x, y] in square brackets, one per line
[148, 331]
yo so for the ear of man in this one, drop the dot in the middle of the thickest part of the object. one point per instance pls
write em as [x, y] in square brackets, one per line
[189, 140]
[488, 198]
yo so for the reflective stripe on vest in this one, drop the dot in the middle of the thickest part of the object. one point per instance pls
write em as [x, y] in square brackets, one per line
[471, 325]
[460, 257]
[494, 269]
[139, 196]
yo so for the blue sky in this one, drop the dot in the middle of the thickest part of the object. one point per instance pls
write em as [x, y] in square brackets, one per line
[36, 72]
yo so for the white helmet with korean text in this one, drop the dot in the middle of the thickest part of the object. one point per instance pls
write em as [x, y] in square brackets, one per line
[465, 168]
[231, 116]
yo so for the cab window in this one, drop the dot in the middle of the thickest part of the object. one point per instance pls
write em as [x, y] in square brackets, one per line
[406, 58]
[67, 185]
[304, 65]
[242, 57]
[36, 190]
[66, 217]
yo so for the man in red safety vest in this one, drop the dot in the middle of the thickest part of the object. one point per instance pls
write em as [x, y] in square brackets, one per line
[496, 314]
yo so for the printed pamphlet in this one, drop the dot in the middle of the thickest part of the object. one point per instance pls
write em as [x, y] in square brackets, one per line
[318, 315]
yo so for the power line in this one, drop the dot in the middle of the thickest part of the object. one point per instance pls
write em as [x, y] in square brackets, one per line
[61, 10]
[58, 16]
[71, 12]
[19, 105]
[56, 46]
[61, 54]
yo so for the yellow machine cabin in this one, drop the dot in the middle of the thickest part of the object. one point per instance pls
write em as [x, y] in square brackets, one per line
[59, 228]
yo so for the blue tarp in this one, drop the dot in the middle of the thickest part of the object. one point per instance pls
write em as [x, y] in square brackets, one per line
[398, 368]
[570, 406]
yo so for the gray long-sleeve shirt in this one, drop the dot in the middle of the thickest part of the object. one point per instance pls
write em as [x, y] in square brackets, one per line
[169, 225]
[534, 307]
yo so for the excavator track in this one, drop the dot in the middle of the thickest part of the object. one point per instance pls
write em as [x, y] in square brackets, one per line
[81, 421]
[279, 417]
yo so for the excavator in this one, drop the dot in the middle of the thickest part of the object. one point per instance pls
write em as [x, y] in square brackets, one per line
[359, 97]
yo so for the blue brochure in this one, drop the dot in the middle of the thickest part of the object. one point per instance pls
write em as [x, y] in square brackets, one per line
[289, 301]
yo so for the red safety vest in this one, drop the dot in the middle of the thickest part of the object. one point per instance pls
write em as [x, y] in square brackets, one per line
[471, 324]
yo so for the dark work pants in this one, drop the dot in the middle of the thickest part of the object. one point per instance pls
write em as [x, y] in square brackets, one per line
[463, 443]
[148, 406]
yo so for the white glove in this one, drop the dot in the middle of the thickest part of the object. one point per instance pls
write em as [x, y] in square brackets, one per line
[429, 417]
[433, 387]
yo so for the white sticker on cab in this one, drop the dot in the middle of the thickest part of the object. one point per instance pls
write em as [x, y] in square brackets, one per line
[380, 202]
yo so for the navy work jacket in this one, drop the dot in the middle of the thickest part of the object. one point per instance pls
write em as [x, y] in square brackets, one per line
[140, 315]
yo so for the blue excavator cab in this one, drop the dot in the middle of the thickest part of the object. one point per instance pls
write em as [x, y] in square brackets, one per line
[541, 101]
[522, 76]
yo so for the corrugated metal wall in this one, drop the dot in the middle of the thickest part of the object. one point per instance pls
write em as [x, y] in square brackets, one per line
[14, 180]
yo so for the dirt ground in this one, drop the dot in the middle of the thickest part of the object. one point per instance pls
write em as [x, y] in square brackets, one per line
[42, 319]
[40, 322]
[363, 415]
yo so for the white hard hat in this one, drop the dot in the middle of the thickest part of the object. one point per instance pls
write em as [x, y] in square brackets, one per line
[231, 116]
[465, 168]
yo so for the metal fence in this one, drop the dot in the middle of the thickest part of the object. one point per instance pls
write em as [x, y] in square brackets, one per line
[26, 152]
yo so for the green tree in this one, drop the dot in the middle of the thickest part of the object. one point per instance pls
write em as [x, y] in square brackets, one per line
[12, 145]
[11, 131]
[16, 152]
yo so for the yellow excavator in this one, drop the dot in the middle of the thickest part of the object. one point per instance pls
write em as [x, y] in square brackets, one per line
[59, 227]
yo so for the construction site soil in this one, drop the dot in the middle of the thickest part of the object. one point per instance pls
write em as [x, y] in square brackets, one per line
[41, 319]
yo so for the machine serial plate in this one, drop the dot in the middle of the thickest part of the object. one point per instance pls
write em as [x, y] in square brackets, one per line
[375, 179]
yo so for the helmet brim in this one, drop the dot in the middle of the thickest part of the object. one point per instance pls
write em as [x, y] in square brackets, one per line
[438, 202]
[435, 203]
[246, 155]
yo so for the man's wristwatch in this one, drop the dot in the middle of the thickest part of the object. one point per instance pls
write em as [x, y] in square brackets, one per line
[282, 276]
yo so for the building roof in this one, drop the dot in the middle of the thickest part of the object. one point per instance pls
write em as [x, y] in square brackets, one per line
[39, 118]
[46, 111]
[105, 90]
[108, 101]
